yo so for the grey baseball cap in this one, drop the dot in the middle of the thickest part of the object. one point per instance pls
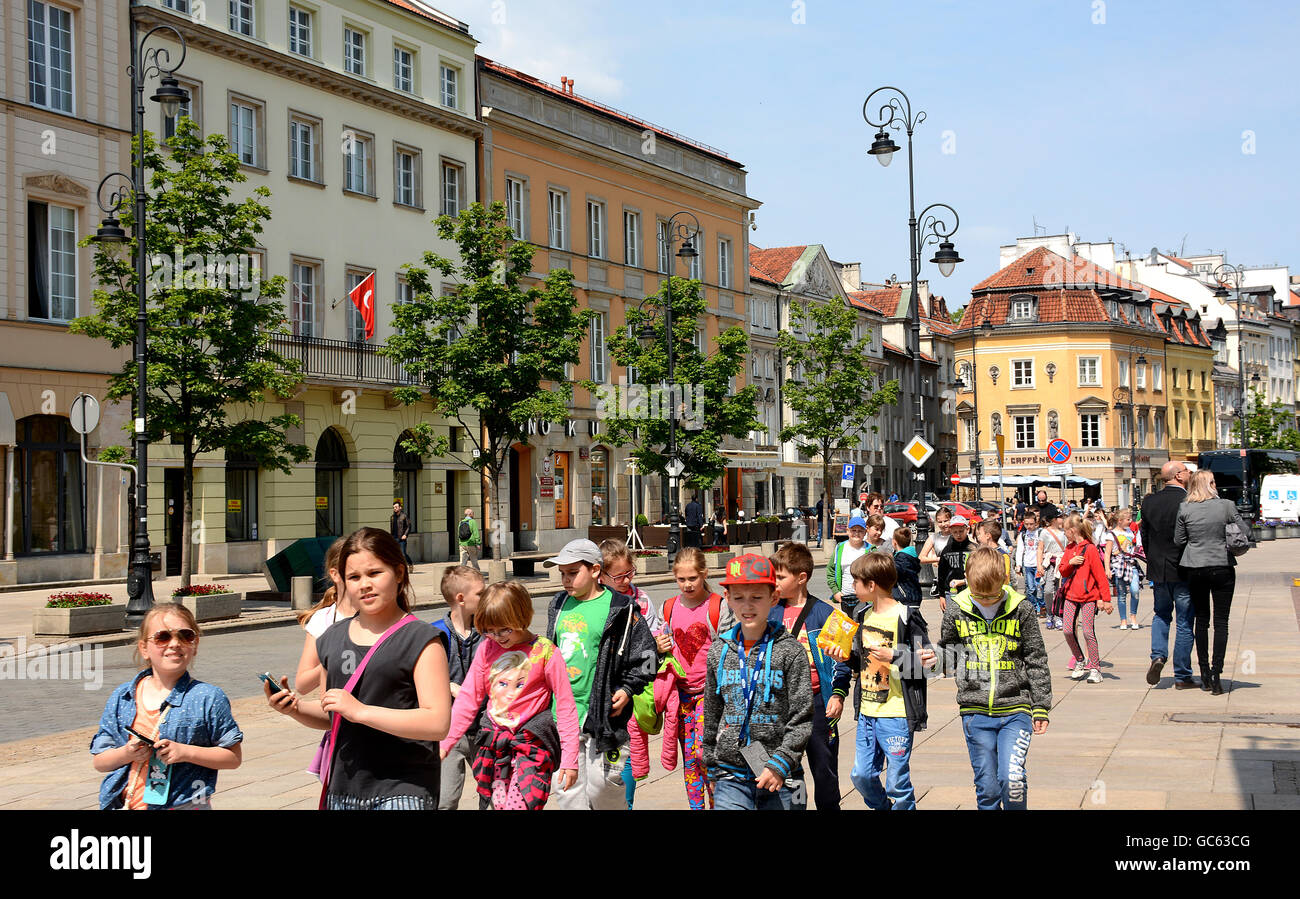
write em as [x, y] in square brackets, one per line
[575, 551]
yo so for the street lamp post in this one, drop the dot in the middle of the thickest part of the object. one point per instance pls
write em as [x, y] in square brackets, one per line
[896, 113]
[1123, 394]
[1221, 276]
[977, 466]
[144, 63]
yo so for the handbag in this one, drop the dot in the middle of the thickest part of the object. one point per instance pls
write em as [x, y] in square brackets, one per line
[328, 753]
[1235, 537]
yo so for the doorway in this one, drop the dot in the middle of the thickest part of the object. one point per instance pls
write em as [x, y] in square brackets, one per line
[174, 501]
[521, 497]
[453, 519]
[562, 491]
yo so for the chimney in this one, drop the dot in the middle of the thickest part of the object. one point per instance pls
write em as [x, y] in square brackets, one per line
[572, 82]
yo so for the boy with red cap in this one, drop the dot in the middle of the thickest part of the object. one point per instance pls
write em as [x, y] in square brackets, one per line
[758, 699]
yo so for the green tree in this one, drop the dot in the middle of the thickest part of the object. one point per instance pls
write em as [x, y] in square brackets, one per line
[1270, 425]
[707, 407]
[211, 318]
[491, 347]
[830, 392]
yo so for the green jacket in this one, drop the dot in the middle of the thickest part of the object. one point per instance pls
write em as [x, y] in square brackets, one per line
[474, 537]
[834, 569]
[1000, 665]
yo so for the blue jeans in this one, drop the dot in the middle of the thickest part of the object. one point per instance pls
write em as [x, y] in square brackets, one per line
[1126, 595]
[1170, 598]
[739, 795]
[1033, 587]
[880, 739]
[998, 750]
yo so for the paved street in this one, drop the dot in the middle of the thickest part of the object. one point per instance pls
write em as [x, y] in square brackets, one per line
[1120, 744]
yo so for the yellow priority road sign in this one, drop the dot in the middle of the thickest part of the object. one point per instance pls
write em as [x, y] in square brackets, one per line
[917, 451]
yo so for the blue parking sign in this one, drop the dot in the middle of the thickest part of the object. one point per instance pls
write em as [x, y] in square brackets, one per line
[849, 469]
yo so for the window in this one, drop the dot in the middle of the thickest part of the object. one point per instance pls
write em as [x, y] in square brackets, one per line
[178, 5]
[1022, 309]
[695, 269]
[665, 245]
[1157, 377]
[1089, 371]
[49, 56]
[1142, 429]
[403, 69]
[356, 323]
[404, 294]
[1026, 431]
[632, 238]
[595, 229]
[354, 51]
[558, 204]
[302, 298]
[1123, 373]
[1140, 376]
[1124, 432]
[1089, 430]
[598, 363]
[1022, 373]
[969, 424]
[448, 79]
[188, 108]
[451, 187]
[1189, 379]
[299, 31]
[408, 164]
[1173, 373]
[51, 262]
[246, 130]
[304, 147]
[49, 496]
[241, 497]
[515, 207]
[724, 263]
[359, 163]
[241, 17]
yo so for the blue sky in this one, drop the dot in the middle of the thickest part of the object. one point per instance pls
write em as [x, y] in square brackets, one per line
[1130, 128]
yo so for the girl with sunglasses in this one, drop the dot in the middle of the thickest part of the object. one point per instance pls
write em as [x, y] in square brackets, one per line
[183, 729]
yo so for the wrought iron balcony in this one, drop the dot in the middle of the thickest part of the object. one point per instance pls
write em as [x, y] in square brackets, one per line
[340, 361]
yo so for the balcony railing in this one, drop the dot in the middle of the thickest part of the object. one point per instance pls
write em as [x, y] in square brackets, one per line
[340, 360]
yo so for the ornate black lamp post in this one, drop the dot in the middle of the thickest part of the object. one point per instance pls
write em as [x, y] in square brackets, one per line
[144, 63]
[896, 113]
[1222, 276]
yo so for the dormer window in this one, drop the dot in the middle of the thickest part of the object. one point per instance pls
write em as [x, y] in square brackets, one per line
[1023, 309]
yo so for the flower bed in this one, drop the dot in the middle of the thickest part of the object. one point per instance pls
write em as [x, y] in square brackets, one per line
[78, 614]
[77, 600]
[209, 602]
[200, 590]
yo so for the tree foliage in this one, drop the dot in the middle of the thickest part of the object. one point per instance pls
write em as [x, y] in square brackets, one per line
[210, 356]
[708, 409]
[1270, 425]
[490, 349]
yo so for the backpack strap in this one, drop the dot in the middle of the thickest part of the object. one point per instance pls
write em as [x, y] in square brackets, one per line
[715, 614]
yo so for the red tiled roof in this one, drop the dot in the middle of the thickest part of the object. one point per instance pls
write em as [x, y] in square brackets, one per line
[891, 348]
[1041, 268]
[1184, 263]
[1054, 307]
[432, 15]
[610, 111]
[885, 300]
[1294, 300]
[775, 263]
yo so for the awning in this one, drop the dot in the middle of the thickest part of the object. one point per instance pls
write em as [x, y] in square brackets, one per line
[1073, 480]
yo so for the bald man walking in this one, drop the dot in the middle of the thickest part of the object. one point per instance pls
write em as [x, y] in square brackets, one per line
[1171, 597]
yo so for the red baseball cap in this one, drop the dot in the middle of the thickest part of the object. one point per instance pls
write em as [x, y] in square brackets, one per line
[751, 568]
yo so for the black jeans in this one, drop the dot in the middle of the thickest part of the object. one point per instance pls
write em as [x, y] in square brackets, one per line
[824, 759]
[1218, 582]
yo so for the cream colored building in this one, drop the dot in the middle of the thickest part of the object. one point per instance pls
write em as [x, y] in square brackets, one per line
[64, 127]
[359, 116]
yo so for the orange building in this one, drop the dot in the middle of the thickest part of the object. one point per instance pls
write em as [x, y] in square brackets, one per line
[593, 189]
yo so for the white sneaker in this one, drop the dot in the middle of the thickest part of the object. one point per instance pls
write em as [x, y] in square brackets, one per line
[1094, 676]
[1081, 672]
[1124, 626]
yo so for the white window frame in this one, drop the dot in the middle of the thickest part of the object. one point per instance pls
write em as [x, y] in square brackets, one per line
[1089, 370]
[1123, 373]
[1032, 421]
[1022, 310]
[599, 356]
[193, 107]
[300, 31]
[355, 57]
[242, 13]
[356, 324]
[247, 115]
[1089, 430]
[663, 247]
[515, 215]
[724, 262]
[359, 173]
[60, 263]
[595, 229]
[632, 238]
[411, 195]
[1139, 376]
[557, 218]
[1142, 429]
[1125, 435]
[44, 74]
[305, 167]
[449, 92]
[1157, 376]
[695, 270]
[1159, 429]
[302, 296]
[403, 292]
[968, 431]
[449, 192]
[405, 74]
[1017, 384]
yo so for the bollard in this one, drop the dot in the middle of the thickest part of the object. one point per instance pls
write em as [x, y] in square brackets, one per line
[302, 596]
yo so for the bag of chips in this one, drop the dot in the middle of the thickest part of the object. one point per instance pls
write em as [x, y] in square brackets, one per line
[838, 631]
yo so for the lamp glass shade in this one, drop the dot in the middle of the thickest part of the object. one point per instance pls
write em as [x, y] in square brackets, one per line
[946, 258]
[687, 251]
[1141, 360]
[170, 96]
[883, 147]
[110, 231]
[1221, 293]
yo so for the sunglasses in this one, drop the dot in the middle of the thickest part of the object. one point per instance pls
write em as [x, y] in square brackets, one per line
[164, 637]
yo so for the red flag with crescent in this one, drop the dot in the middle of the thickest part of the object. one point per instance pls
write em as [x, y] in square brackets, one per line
[363, 297]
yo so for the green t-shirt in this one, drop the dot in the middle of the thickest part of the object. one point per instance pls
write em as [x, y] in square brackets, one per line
[577, 635]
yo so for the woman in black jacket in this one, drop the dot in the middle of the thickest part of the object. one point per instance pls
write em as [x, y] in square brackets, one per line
[1201, 532]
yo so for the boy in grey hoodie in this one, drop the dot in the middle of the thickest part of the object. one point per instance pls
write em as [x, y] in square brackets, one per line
[758, 699]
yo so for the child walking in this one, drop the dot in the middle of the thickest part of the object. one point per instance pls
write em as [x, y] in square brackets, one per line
[1051, 548]
[189, 733]
[693, 619]
[519, 675]
[388, 698]
[1088, 587]
[1004, 689]
[838, 579]
[1026, 560]
[1125, 568]
[617, 571]
[462, 589]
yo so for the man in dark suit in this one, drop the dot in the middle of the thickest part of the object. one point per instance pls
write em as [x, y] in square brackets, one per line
[694, 521]
[1170, 593]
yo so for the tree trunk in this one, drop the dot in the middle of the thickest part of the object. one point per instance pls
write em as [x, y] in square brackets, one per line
[187, 513]
[828, 511]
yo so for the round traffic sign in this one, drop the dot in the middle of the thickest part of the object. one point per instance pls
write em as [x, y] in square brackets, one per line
[1058, 450]
[84, 417]
[955, 480]
[862, 497]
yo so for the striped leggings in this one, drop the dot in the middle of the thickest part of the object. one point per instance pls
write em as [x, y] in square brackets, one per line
[1085, 612]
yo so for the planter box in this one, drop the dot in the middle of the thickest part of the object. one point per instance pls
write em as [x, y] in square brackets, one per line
[785, 529]
[213, 606]
[748, 533]
[1265, 533]
[651, 564]
[79, 622]
[719, 560]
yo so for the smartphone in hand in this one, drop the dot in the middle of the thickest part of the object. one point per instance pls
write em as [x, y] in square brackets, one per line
[139, 736]
[275, 684]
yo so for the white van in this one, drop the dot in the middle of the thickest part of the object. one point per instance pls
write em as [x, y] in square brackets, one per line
[1279, 497]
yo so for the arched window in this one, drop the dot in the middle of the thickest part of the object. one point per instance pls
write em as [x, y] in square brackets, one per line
[406, 480]
[50, 496]
[331, 462]
[241, 497]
